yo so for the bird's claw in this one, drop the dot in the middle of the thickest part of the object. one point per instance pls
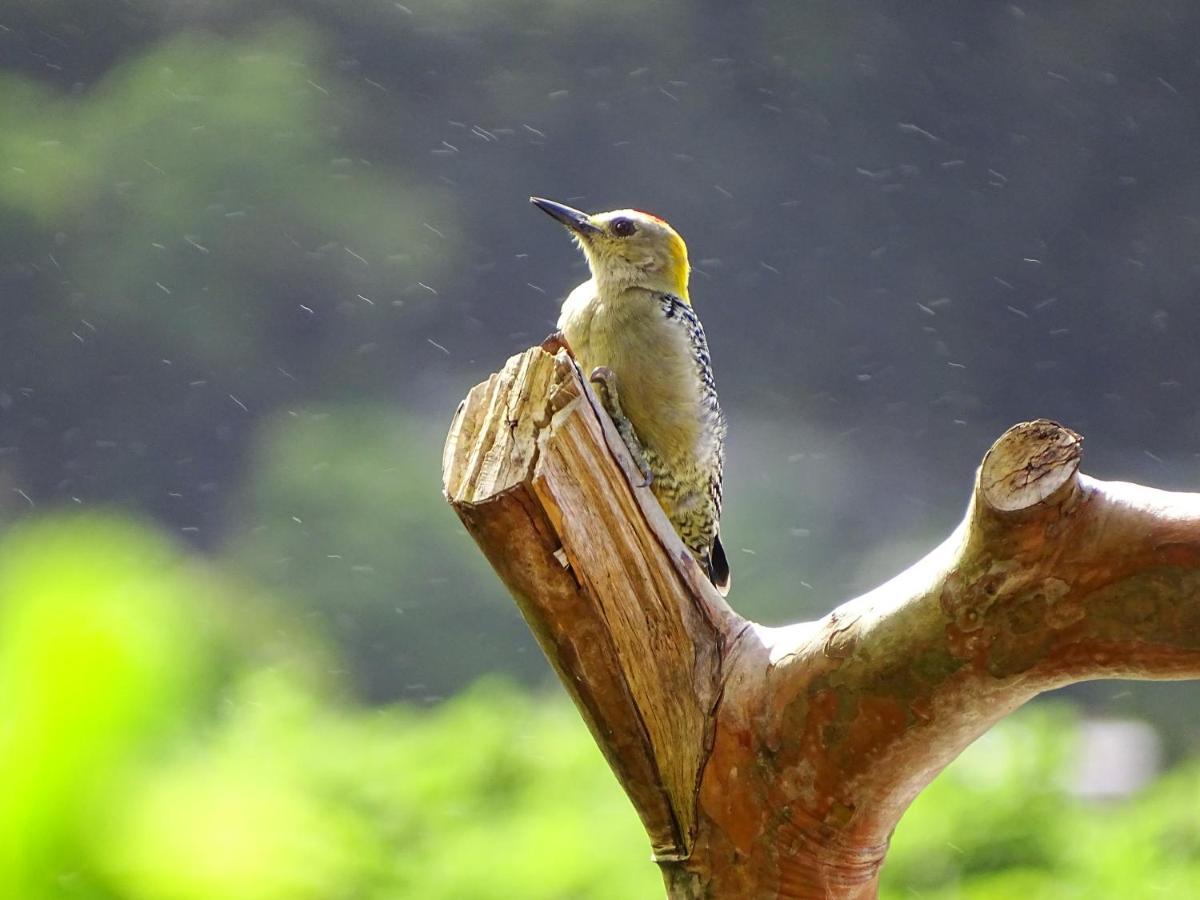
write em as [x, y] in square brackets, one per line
[603, 376]
[605, 381]
[555, 341]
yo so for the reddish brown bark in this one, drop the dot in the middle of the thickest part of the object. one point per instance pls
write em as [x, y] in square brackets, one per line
[775, 763]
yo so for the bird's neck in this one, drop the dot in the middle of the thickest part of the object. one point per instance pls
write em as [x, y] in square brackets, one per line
[613, 283]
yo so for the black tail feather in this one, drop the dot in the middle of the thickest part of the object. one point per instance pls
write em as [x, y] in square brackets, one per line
[718, 568]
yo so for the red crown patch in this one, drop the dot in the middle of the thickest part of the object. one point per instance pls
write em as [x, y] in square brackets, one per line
[651, 216]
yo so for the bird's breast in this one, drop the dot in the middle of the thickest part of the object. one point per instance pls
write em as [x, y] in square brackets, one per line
[652, 358]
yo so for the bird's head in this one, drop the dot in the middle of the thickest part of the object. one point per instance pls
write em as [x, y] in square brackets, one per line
[626, 247]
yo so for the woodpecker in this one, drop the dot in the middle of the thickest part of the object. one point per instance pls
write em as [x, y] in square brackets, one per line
[631, 326]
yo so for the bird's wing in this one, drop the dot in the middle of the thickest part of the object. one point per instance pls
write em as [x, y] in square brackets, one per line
[675, 308]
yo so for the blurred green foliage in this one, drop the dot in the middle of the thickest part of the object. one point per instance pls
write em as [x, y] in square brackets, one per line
[102, 658]
[999, 824]
[193, 180]
[151, 753]
[340, 519]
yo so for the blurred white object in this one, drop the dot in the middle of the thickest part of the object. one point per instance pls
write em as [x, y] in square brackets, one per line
[1115, 758]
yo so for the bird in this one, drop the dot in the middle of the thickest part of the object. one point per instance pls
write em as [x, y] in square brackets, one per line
[632, 327]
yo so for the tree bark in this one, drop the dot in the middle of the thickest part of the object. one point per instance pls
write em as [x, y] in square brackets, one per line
[776, 762]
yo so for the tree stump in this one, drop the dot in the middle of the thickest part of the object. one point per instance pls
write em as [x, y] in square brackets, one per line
[775, 762]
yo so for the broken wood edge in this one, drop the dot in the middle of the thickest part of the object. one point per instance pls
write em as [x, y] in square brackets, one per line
[581, 658]
[505, 454]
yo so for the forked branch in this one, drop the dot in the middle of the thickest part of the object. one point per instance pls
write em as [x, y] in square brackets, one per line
[775, 763]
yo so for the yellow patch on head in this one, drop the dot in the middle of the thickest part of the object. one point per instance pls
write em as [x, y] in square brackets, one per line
[679, 268]
[648, 242]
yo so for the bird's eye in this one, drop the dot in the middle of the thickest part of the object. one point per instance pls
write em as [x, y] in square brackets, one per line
[623, 227]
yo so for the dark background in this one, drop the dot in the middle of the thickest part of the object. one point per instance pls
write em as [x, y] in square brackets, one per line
[252, 255]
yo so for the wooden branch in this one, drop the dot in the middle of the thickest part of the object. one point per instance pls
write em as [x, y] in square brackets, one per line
[775, 763]
[631, 624]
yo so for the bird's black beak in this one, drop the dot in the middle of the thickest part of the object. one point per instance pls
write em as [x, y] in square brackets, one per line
[578, 222]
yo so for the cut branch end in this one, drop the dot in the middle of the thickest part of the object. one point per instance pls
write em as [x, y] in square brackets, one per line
[1030, 465]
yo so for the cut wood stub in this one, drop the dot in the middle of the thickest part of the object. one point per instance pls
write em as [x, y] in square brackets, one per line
[1028, 465]
[535, 471]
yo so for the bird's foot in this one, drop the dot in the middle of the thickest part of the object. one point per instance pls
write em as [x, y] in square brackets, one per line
[605, 381]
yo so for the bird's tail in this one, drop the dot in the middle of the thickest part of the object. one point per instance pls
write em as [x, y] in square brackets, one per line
[718, 568]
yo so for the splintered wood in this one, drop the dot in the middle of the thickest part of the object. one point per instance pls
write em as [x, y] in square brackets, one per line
[628, 626]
